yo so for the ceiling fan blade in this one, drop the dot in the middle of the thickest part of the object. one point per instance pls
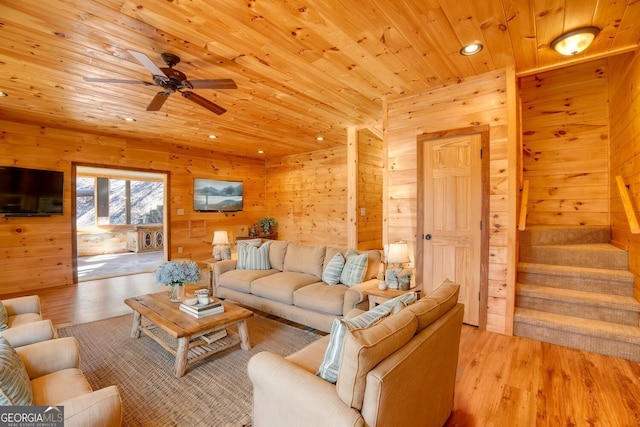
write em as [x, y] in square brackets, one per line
[204, 102]
[158, 101]
[144, 60]
[98, 80]
[213, 84]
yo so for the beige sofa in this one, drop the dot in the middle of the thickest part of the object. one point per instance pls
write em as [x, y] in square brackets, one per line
[399, 372]
[292, 288]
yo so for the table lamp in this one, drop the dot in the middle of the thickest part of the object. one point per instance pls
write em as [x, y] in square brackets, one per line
[397, 254]
[221, 248]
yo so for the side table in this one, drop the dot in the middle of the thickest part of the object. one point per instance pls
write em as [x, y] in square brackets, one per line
[377, 296]
[210, 263]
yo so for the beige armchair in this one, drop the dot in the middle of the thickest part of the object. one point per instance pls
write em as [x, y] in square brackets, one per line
[55, 377]
[399, 372]
[22, 321]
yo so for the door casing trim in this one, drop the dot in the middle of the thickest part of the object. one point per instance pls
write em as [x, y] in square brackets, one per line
[484, 132]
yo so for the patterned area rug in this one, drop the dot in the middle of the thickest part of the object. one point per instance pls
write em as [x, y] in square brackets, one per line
[214, 392]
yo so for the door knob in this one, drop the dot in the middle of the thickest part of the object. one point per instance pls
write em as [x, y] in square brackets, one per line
[427, 237]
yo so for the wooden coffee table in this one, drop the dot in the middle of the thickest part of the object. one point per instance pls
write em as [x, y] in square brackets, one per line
[181, 334]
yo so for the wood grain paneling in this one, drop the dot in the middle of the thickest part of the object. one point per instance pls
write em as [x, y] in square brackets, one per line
[624, 93]
[307, 195]
[565, 116]
[36, 253]
[369, 178]
[480, 101]
[303, 69]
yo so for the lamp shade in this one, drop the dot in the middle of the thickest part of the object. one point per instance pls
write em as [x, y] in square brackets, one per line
[220, 238]
[398, 253]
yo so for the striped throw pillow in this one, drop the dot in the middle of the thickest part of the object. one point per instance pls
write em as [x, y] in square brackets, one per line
[242, 249]
[331, 274]
[355, 268]
[251, 257]
[15, 387]
[4, 317]
[330, 365]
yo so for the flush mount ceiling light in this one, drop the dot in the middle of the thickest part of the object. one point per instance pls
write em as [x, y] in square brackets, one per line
[471, 49]
[212, 136]
[575, 41]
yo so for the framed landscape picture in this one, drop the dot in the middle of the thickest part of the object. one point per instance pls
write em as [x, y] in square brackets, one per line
[213, 195]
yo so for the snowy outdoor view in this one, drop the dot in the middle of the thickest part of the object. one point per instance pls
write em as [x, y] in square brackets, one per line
[147, 198]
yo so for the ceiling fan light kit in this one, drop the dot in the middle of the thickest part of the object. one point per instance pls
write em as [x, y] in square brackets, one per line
[575, 41]
[172, 81]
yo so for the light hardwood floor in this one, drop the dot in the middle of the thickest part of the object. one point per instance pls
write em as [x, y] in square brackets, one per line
[94, 299]
[501, 380]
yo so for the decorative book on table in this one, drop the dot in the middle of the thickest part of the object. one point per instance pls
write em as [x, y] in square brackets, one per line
[196, 308]
[204, 313]
[214, 336]
[202, 310]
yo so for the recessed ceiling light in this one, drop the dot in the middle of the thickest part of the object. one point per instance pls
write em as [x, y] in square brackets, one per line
[129, 119]
[3, 93]
[212, 136]
[320, 138]
[260, 152]
[471, 49]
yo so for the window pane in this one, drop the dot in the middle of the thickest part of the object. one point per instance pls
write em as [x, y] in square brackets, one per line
[147, 202]
[85, 202]
[117, 202]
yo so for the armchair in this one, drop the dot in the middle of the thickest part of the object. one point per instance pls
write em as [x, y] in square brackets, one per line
[21, 322]
[55, 379]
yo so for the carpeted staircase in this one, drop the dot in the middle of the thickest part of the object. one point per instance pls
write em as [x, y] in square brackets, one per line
[574, 289]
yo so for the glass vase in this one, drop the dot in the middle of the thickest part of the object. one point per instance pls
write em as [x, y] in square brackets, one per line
[176, 293]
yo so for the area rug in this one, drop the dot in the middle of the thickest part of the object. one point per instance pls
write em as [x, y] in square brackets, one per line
[214, 392]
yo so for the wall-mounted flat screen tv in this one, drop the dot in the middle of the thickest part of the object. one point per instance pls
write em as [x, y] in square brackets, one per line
[30, 192]
[213, 195]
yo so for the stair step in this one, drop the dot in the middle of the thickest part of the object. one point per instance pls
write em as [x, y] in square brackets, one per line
[584, 334]
[587, 305]
[592, 255]
[615, 282]
[559, 235]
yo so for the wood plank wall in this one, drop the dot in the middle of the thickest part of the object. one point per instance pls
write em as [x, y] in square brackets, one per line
[36, 253]
[565, 121]
[624, 95]
[307, 195]
[482, 100]
[370, 175]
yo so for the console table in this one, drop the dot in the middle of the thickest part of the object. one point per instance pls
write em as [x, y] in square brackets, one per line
[145, 238]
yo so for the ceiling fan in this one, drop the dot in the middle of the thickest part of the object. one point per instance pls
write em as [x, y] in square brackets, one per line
[172, 81]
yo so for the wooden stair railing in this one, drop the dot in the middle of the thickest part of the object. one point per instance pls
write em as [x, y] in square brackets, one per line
[628, 206]
[524, 200]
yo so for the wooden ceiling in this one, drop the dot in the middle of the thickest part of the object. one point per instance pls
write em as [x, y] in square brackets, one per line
[303, 68]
